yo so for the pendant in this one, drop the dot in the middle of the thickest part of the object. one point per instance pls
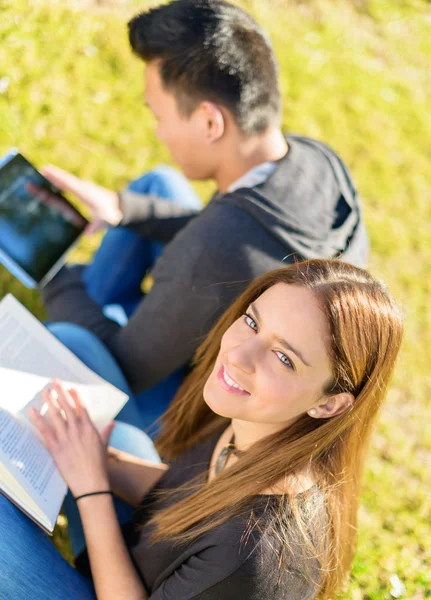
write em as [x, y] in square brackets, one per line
[223, 457]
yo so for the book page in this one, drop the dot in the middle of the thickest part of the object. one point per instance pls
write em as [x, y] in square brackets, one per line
[30, 357]
[31, 466]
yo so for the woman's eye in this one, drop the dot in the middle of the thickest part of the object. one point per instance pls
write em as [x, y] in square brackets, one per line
[285, 360]
[250, 322]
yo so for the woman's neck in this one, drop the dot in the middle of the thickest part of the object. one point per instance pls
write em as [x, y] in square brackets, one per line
[247, 433]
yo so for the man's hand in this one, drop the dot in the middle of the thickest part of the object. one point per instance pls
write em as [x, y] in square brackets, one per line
[104, 204]
[57, 202]
[78, 450]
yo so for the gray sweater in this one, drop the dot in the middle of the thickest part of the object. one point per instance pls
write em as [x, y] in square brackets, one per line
[307, 208]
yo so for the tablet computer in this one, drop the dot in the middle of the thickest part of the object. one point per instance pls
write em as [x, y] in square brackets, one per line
[38, 226]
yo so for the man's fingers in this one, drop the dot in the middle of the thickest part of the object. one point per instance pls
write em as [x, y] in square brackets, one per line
[62, 179]
[45, 196]
[94, 226]
[57, 202]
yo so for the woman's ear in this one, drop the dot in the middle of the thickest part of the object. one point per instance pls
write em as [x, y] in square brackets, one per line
[332, 406]
[215, 125]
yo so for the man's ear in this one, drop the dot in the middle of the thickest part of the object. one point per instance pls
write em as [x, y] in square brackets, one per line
[332, 406]
[215, 121]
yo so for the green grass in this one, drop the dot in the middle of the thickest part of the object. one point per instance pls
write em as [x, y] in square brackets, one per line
[354, 74]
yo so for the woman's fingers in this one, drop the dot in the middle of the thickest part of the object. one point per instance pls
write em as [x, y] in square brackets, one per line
[43, 427]
[80, 408]
[74, 410]
[66, 414]
[65, 401]
[57, 420]
[105, 434]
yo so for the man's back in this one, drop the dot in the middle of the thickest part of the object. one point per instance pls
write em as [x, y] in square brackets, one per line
[307, 207]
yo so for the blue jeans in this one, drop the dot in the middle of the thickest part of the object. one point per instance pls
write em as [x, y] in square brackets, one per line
[30, 565]
[113, 280]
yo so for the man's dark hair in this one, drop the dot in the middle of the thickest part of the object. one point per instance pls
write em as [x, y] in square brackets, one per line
[211, 50]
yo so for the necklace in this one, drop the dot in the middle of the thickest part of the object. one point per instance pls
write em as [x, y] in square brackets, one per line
[225, 452]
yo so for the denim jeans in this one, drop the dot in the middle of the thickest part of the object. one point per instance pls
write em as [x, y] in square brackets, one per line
[30, 565]
[113, 280]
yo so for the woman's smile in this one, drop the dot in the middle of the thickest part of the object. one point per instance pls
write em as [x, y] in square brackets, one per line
[229, 384]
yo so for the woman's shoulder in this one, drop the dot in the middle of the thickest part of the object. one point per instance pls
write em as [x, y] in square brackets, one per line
[259, 553]
[275, 526]
[294, 485]
[266, 580]
[292, 536]
[236, 560]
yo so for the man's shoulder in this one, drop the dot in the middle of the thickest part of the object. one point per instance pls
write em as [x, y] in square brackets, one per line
[313, 147]
[219, 220]
[307, 182]
[224, 243]
[318, 161]
[309, 168]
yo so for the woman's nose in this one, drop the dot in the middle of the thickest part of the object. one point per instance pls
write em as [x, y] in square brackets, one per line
[242, 357]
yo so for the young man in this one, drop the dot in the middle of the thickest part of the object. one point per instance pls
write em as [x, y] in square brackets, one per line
[211, 82]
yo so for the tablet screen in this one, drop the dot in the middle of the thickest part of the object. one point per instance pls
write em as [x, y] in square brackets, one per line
[37, 224]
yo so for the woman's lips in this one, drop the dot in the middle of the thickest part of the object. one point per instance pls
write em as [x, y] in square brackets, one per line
[221, 376]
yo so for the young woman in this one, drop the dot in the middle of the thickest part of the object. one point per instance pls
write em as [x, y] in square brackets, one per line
[265, 441]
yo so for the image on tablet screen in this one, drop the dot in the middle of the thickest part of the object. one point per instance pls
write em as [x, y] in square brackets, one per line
[37, 224]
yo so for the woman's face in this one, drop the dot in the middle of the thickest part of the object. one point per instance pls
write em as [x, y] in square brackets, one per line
[272, 365]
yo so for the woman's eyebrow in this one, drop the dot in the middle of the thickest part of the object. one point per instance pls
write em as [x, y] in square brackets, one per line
[281, 340]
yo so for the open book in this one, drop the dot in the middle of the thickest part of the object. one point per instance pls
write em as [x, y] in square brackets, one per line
[30, 357]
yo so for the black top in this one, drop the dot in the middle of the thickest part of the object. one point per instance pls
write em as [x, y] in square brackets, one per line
[234, 561]
[307, 208]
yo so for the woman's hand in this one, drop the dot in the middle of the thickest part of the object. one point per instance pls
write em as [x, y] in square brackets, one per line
[78, 450]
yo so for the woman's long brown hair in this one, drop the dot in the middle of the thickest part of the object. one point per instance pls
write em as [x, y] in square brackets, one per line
[366, 331]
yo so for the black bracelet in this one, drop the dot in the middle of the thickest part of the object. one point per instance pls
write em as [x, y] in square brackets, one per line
[93, 494]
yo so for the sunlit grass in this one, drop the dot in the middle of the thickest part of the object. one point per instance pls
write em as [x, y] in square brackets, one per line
[355, 75]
